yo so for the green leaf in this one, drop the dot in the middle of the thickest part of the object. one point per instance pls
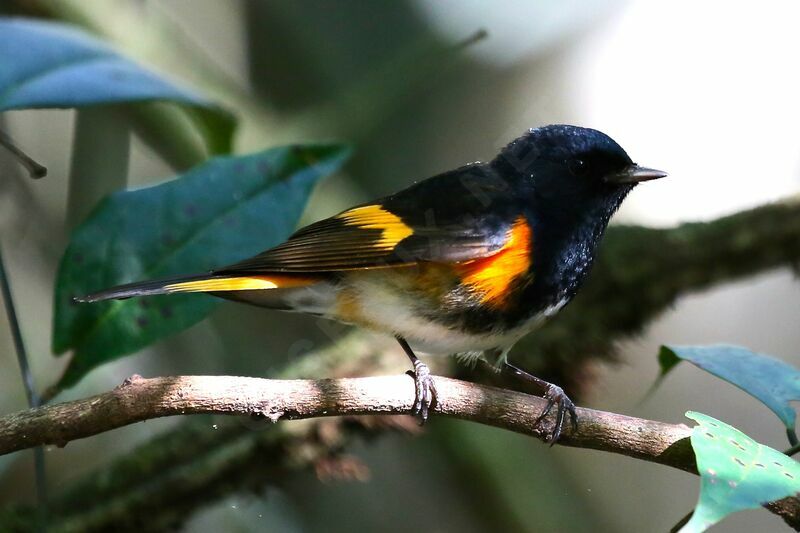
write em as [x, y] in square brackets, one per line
[46, 64]
[737, 473]
[770, 380]
[216, 214]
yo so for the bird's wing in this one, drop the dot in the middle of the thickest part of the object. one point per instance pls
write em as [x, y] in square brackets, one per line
[467, 217]
[447, 218]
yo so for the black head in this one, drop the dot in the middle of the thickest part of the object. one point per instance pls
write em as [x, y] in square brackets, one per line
[574, 169]
[571, 181]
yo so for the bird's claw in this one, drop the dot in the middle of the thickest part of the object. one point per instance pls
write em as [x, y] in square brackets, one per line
[425, 397]
[556, 396]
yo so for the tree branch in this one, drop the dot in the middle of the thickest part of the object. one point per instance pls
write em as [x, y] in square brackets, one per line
[139, 399]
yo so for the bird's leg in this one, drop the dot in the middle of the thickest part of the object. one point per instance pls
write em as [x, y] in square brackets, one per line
[553, 394]
[425, 388]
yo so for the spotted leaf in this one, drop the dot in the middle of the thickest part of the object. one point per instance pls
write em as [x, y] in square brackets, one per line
[736, 472]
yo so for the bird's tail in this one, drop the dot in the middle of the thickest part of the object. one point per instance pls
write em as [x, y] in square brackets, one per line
[216, 283]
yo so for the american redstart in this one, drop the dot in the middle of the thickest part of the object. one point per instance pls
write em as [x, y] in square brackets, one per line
[465, 262]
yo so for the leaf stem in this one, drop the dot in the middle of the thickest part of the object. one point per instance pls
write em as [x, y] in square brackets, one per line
[30, 392]
[792, 436]
[35, 170]
[793, 450]
[682, 522]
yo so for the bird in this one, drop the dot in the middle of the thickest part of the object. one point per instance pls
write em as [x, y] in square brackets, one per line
[463, 263]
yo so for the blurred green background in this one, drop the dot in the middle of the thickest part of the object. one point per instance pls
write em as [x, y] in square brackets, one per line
[677, 84]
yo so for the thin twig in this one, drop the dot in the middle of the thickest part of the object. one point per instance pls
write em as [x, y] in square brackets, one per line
[35, 170]
[475, 38]
[30, 390]
[16, 335]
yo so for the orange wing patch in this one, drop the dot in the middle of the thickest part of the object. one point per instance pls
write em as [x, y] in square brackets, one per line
[250, 283]
[393, 228]
[492, 276]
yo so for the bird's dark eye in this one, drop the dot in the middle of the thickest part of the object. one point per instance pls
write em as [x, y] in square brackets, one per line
[577, 166]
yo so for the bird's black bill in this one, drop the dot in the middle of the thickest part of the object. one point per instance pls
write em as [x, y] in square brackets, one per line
[635, 174]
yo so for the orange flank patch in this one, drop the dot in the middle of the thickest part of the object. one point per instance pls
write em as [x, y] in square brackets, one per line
[393, 228]
[249, 283]
[492, 277]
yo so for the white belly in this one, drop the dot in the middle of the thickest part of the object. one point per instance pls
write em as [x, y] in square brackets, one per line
[384, 309]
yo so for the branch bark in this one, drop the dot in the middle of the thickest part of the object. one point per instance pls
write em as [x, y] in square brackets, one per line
[139, 399]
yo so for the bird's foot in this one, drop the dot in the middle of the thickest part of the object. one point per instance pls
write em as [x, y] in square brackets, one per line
[425, 391]
[556, 396]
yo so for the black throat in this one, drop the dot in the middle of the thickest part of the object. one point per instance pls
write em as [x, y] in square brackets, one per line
[566, 238]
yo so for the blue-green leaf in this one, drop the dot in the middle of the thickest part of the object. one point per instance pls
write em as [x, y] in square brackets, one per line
[47, 64]
[218, 213]
[770, 380]
[737, 473]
